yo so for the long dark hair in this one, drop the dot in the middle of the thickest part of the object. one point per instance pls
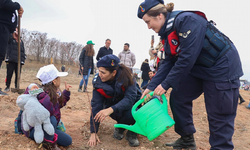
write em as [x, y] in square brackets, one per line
[125, 76]
[51, 90]
[89, 50]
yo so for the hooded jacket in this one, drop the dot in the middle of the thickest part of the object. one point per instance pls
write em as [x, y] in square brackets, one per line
[12, 51]
[127, 58]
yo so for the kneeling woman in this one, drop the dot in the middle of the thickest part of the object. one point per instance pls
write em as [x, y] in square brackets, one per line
[114, 95]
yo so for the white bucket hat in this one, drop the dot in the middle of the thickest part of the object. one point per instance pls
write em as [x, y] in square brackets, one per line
[48, 73]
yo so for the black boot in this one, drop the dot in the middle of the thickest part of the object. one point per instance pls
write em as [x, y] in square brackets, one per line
[118, 133]
[242, 101]
[51, 145]
[80, 89]
[185, 142]
[132, 138]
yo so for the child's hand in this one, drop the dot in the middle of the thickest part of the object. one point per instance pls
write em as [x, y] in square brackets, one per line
[67, 86]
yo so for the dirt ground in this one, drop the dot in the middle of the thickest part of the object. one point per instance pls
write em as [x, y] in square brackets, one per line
[75, 116]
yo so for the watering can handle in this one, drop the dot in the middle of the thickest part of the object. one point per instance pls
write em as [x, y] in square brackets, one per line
[133, 110]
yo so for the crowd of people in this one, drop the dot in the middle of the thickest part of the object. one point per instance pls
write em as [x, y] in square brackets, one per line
[192, 57]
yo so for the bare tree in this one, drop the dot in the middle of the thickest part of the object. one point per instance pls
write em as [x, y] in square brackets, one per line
[50, 48]
[38, 45]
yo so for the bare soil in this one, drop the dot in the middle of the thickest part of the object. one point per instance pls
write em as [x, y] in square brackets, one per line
[75, 116]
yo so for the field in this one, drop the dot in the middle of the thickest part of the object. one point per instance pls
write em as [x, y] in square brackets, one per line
[75, 116]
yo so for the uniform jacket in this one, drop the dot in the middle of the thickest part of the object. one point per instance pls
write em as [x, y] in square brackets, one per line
[86, 62]
[127, 58]
[190, 29]
[54, 110]
[8, 14]
[116, 97]
[12, 51]
[102, 52]
[145, 68]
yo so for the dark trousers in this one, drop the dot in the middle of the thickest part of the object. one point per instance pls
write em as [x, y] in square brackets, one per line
[221, 100]
[4, 37]
[124, 117]
[63, 138]
[11, 67]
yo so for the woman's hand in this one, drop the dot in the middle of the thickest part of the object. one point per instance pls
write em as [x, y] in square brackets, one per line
[101, 115]
[67, 86]
[20, 11]
[146, 93]
[159, 90]
[93, 140]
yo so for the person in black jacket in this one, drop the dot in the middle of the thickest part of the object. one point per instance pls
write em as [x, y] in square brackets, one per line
[63, 68]
[12, 58]
[114, 95]
[105, 50]
[145, 69]
[8, 23]
[87, 63]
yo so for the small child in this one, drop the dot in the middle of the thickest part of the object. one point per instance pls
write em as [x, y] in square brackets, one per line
[52, 99]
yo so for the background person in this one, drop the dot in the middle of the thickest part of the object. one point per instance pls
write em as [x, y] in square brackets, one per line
[127, 57]
[151, 74]
[145, 69]
[187, 35]
[63, 68]
[157, 54]
[87, 63]
[114, 95]
[12, 59]
[105, 50]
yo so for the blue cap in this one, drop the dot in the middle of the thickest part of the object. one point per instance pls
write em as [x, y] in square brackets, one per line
[146, 6]
[108, 61]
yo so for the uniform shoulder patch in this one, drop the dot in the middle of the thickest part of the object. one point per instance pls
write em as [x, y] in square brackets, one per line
[185, 34]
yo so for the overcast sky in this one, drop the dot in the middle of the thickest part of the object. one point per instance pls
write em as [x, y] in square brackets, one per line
[97, 20]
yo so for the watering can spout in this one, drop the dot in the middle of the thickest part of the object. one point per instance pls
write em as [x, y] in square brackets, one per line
[134, 128]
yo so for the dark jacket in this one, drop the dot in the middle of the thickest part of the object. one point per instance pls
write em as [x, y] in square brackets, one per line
[190, 29]
[86, 62]
[12, 51]
[114, 96]
[8, 14]
[145, 68]
[102, 52]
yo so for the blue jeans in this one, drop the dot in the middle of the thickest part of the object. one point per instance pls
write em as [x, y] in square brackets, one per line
[144, 82]
[86, 79]
[63, 138]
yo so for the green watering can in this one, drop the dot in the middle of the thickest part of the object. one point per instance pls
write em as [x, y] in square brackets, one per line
[151, 119]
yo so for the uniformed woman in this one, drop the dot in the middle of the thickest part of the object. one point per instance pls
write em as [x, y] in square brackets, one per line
[198, 58]
[114, 95]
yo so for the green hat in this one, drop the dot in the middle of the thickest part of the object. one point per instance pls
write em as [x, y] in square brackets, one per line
[90, 42]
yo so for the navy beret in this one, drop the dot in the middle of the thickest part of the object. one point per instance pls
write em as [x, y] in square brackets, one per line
[108, 61]
[147, 5]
